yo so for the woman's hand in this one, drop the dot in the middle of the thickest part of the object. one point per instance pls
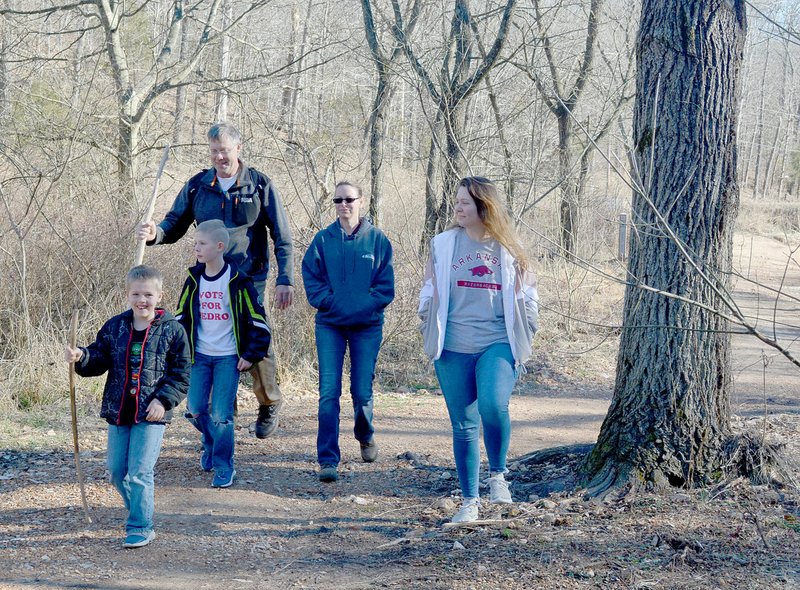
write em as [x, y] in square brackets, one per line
[243, 365]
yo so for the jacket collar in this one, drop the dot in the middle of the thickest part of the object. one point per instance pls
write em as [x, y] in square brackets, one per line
[162, 315]
[243, 178]
[363, 226]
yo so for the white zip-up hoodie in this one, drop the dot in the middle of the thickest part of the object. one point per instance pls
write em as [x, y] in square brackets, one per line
[520, 300]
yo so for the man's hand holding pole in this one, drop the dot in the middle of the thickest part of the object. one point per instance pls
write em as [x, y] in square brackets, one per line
[141, 236]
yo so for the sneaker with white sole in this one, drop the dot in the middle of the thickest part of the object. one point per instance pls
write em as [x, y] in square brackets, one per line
[498, 490]
[468, 512]
[133, 540]
[223, 479]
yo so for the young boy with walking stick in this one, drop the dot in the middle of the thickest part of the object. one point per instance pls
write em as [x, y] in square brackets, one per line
[145, 352]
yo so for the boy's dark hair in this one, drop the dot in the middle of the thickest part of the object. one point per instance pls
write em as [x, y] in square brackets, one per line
[216, 230]
[144, 272]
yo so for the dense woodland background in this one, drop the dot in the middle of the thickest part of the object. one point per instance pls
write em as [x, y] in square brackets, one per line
[401, 97]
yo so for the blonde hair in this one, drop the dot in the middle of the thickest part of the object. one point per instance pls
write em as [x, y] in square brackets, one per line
[144, 273]
[216, 230]
[495, 216]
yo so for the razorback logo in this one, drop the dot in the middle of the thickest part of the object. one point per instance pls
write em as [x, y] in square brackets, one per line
[479, 271]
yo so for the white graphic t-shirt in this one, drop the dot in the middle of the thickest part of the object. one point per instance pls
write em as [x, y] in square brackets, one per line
[215, 333]
[475, 317]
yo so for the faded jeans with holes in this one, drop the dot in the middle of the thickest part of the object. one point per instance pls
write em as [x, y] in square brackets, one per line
[477, 389]
[215, 424]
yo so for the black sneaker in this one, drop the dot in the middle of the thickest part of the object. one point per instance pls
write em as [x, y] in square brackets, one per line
[267, 420]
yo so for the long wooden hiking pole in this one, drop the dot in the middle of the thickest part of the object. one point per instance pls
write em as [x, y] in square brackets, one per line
[73, 342]
[137, 260]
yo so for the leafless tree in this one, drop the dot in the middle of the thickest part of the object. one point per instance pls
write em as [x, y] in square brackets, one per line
[384, 60]
[457, 80]
[562, 89]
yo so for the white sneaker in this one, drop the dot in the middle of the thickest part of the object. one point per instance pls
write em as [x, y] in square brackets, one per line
[498, 490]
[468, 512]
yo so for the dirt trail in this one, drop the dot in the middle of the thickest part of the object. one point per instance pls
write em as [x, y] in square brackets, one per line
[769, 262]
[380, 525]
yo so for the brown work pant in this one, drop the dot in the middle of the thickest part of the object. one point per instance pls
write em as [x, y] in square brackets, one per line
[265, 380]
[265, 372]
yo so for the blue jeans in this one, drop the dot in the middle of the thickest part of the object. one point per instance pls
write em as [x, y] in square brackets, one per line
[216, 426]
[477, 388]
[131, 458]
[331, 344]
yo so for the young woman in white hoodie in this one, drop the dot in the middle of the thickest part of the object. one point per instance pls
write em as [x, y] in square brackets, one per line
[479, 310]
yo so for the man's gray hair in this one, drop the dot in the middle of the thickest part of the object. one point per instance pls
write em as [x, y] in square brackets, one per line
[225, 130]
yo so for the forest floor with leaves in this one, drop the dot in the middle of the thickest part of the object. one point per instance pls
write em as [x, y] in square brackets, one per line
[385, 524]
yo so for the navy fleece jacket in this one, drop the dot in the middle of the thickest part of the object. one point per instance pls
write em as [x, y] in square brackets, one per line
[349, 278]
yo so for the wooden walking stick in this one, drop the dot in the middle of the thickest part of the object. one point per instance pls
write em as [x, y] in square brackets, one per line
[137, 260]
[73, 342]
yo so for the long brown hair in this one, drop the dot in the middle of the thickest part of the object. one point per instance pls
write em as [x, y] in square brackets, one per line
[495, 216]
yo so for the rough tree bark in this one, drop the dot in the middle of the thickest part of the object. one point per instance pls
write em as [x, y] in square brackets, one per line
[670, 412]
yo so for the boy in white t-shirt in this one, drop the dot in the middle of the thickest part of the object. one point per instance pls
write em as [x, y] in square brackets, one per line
[228, 334]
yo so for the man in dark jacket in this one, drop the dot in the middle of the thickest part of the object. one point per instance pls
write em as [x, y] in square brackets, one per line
[248, 203]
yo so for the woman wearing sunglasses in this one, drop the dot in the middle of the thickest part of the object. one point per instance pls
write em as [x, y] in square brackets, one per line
[479, 308]
[349, 279]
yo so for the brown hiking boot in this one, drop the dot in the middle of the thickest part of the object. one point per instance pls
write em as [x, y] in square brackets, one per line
[369, 451]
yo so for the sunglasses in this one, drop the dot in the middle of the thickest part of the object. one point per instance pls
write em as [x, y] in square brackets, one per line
[348, 200]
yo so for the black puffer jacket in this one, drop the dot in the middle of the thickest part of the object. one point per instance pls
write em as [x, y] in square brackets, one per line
[164, 371]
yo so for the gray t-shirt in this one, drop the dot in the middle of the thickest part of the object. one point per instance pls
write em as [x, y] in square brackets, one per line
[475, 317]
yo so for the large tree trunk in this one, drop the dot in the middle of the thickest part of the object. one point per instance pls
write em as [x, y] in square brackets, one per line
[453, 165]
[127, 163]
[670, 412]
